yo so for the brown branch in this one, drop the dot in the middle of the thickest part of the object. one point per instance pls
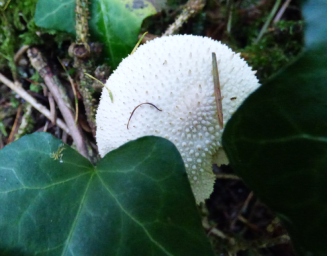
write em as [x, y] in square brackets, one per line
[53, 85]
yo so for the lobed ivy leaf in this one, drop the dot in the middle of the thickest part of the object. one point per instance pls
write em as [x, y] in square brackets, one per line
[277, 140]
[115, 23]
[136, 201]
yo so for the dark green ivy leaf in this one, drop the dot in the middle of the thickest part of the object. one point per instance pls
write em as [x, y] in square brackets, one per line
[56, 14]
[277, 140]
[136, 201]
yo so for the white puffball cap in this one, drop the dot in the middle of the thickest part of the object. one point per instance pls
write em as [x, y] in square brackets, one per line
[175, 74]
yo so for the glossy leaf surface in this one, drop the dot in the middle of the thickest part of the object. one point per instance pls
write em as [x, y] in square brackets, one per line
[277, 140]
[136, 201]
[56, 14]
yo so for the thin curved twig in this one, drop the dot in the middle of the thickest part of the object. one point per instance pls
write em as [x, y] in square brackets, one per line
[151, 104]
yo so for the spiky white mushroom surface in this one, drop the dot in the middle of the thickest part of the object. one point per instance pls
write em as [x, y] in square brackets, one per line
[175, 74]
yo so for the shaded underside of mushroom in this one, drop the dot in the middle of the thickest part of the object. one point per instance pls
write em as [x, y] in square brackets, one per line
[174, 74]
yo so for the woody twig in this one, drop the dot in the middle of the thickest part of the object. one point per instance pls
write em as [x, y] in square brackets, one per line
[191, 8]
[16, 87]
[64, 104]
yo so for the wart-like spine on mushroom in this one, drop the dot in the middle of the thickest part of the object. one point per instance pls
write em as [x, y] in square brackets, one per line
[175, 74]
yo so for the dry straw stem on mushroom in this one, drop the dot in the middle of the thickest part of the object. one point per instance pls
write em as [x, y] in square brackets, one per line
[174, 73]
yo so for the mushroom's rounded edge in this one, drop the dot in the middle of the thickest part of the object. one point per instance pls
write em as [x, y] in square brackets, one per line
[174, 75]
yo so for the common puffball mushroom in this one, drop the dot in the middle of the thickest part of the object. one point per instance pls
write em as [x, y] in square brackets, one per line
[174, 74]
